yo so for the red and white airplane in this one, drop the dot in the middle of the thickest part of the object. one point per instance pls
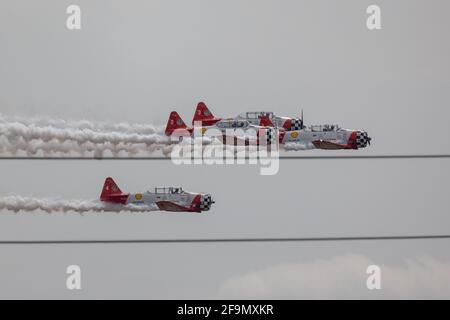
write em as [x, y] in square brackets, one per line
[228, 131]
[293, 130]
[165, 198]
[204, 115]
[327, 137]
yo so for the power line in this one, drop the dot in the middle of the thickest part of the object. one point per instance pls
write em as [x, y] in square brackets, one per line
[225, 240]
[161, 158]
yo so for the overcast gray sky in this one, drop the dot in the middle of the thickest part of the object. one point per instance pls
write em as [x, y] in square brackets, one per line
[136, 61]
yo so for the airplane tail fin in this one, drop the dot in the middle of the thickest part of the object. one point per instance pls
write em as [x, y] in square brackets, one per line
[202, 113]
[175, 122]
[264, 121]
[109, 188]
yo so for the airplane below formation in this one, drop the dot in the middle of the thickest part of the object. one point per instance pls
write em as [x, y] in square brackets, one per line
[268, 126]
[165, 198]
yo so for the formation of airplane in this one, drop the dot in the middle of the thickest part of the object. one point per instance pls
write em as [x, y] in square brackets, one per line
[165, 198]
[267, 128]
[288, 129]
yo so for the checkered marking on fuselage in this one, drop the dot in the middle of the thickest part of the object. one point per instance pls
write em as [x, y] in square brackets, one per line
[205, 202]
[296, 124]
[270, 135]
[362, 139]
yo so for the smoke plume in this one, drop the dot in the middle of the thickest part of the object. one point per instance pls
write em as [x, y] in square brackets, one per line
[29, 204]
[47, 137]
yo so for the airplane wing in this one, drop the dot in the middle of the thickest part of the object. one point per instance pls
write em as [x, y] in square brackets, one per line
[329, 145]
[172, 206]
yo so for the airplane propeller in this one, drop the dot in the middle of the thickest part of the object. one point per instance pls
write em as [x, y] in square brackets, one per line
[368, 138]
[302, 119]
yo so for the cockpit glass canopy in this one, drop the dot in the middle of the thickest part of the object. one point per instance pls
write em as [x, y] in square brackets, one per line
[239, 124]
[229, 124]
[325, 127]
[170, 190]
[252, 115]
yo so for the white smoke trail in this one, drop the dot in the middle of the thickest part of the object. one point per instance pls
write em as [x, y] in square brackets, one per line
[32, 132]
[55, 137]
[60, 137]
[82, 124]
[28, 204]
[295, 146]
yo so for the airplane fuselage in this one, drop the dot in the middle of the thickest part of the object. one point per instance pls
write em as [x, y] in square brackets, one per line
[327, 137]
[165, 198]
